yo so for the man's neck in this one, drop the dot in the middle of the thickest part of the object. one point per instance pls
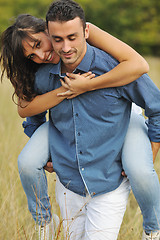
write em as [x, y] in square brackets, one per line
[67, 68]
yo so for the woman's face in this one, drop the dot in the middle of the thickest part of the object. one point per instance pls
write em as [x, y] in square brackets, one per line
[41, 50]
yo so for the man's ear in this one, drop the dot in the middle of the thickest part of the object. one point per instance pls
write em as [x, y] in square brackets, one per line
[46, 31]
[86, 33]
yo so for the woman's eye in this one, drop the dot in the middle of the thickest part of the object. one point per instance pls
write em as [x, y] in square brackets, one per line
[38, 44]
[31, 56]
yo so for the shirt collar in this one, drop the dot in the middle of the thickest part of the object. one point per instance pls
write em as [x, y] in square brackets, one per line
[56, 69]
[86, 62]
[84, 65]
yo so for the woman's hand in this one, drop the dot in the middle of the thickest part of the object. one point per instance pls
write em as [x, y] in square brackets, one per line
[76, 84]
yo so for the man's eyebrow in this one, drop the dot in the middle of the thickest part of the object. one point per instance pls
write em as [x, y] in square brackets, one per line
[73, 34]
[54, 36]
[70, 35]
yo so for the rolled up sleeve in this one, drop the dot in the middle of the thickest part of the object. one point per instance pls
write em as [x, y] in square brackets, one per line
[32, 123]
[145, 94]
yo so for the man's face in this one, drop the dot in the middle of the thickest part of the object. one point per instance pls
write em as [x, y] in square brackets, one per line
[69, 41]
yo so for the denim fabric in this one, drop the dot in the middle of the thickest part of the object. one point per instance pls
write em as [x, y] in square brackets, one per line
[137, 163]
[87, 132]
[32, 123]
[31, 161]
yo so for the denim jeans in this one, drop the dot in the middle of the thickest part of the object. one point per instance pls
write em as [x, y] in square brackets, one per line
[31, 161]
[136, 159]
[137, 162]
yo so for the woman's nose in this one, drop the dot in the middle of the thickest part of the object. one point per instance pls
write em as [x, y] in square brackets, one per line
[40, 54]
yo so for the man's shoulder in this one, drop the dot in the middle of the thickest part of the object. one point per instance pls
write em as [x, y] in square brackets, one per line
[102, 60]
[100, 54]
[42, 78]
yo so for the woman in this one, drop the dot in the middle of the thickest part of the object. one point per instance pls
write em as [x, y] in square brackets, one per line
[29, 35]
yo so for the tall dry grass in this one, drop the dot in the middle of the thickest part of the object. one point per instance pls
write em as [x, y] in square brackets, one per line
[16, 222]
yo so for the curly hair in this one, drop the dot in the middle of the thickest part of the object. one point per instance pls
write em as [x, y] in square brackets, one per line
[65, 10]
[19, 69]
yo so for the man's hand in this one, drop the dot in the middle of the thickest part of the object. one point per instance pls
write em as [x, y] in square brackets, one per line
[155, 148]
[49, 167]
[123, 174]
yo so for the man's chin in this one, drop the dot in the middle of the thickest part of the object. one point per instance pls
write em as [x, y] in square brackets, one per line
[68, 60]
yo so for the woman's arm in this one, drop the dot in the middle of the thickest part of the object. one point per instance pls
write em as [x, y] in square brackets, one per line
[40, 103]
[132, 65]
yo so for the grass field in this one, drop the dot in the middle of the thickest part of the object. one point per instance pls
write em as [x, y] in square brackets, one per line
[15, 220]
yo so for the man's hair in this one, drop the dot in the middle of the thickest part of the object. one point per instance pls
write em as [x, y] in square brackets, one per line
[65, 10]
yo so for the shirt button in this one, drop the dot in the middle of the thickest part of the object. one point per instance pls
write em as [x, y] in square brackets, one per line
[79, 134]
[76, 114]
[82, 169]
[80, 152]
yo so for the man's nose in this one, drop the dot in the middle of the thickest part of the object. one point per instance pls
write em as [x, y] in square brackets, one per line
[66, 46]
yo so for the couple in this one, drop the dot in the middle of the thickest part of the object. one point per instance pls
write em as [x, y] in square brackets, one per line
[87, 134]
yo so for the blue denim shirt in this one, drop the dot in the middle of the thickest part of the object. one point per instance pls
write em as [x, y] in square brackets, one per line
[87, 132]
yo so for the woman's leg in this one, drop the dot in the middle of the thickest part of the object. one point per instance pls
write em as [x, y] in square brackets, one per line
[31, 161]
[138, 165]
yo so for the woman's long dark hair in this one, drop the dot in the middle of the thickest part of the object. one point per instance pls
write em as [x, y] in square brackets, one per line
[19, 69]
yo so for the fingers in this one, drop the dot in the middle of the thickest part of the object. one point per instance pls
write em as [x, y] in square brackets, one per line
[72, 96]
[65, 94]
[86, 74]
[50, 170]
[64, 84]
[49, 167]
[89, 75]
[123, 174]
[49, 164]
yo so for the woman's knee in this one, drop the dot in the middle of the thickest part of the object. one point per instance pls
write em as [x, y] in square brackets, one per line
[25, 161]
[141, 175]
[36, 152]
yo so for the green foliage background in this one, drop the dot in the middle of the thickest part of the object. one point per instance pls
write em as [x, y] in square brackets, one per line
[135, 22]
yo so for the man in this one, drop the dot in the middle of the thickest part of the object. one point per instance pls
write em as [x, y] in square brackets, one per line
[87, 133]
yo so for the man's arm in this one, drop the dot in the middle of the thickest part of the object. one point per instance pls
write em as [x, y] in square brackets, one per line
[146, 95]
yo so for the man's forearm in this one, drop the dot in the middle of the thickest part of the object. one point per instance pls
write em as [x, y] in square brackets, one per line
[155, 148]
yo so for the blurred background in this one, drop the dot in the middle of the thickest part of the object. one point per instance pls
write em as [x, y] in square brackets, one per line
[135, 22]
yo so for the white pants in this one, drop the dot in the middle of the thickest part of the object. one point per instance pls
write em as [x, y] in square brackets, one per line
[97, 218]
